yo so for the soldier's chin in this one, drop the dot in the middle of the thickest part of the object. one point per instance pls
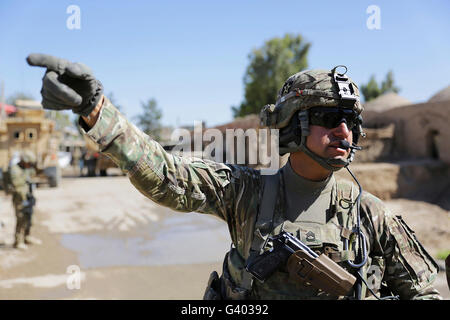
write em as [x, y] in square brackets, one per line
[339, 162]
[341, 158]
[337, 167]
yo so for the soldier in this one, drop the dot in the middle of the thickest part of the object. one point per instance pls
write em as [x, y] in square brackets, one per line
[76, 158]
[21, 175]
[318, 114]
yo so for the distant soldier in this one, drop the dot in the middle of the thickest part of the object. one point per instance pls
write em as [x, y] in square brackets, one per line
[76, 158]
[23, 199]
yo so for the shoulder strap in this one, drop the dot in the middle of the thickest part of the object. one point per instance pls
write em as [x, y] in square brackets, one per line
[345, 198]
[263, 222]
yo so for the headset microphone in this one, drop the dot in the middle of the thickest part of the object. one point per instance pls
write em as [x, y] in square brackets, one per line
[346, 145]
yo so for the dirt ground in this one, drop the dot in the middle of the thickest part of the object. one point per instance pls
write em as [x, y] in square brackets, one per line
[103, 240]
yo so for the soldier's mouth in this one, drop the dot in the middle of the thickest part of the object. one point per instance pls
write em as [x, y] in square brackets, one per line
[336, 146]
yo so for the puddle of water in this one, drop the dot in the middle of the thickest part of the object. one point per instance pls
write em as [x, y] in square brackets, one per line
[184, 239]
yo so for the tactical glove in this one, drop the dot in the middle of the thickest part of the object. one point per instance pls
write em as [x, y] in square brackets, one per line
[67, 85]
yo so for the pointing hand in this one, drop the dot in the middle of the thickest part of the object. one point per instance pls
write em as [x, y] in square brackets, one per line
[67, 85]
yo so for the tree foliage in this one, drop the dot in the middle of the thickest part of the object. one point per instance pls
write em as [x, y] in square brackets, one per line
[269, 67]
[149, 120]
[371, 90]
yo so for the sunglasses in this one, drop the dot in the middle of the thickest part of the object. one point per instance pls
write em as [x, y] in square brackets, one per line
[331, 117]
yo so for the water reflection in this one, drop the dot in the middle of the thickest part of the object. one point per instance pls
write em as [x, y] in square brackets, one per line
[181, 239]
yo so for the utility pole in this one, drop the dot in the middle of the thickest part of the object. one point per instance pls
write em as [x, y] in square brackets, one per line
[2, 101]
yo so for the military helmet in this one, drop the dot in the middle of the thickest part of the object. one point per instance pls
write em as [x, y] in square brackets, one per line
[303, 91]
[308, 89]
[27, 156]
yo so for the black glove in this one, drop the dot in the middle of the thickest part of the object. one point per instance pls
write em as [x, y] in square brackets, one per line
[67, 85]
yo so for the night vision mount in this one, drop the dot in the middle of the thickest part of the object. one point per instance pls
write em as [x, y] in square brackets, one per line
[345, 88]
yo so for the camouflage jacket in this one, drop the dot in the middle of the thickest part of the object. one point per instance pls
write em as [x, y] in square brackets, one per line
[233, 193]
[19, 177]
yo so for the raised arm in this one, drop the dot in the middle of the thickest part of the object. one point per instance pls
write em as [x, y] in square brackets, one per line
[181, 183]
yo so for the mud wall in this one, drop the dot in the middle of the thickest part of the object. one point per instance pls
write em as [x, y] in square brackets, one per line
[421, 130]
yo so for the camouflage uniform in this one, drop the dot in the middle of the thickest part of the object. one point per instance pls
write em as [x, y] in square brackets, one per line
[233, 193]
[19, 177]
[76, 157]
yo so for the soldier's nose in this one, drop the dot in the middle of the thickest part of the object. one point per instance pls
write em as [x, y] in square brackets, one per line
[341, 130]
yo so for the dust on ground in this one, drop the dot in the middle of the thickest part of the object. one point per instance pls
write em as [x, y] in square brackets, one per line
[102, 239]
[115, 242]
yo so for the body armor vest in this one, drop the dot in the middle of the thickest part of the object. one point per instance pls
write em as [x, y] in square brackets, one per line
[325, 238]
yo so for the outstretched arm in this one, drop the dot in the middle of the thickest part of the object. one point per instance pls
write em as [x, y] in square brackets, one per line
[181, 183]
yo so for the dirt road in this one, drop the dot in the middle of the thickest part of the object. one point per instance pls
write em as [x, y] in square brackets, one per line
[103, 240]
[123, 246]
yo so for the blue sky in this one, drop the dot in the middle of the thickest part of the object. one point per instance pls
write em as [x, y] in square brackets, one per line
[191, 56]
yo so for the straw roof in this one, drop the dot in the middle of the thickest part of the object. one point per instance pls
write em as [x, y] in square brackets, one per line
[386, 101]
[442, 95]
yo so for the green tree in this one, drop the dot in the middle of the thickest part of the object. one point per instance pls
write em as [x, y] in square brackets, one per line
[149, 120]
[388, 83]
[269, 67]
[371, 90]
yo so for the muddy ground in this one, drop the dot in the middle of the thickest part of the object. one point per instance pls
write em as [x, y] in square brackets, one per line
[103, 240]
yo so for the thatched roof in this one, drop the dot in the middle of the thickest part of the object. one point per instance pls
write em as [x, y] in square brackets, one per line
[387, 101]
[442, 95]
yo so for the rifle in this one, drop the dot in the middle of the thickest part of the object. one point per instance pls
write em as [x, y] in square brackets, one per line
[30, 202]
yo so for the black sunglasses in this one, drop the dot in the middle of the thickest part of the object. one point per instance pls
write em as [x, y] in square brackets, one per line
[331, 117]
